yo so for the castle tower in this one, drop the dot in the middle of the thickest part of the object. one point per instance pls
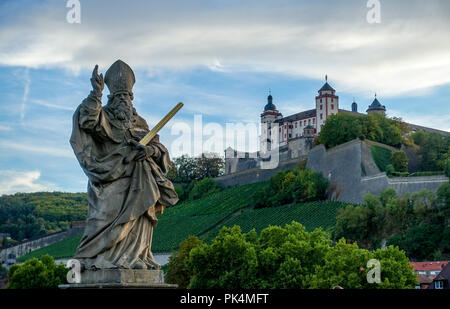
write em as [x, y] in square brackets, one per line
[376, 107]
[327, 104]
[354, 106]
[269, 115]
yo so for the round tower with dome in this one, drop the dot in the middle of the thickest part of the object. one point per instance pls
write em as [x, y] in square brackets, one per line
[376, 107]
[268, 117]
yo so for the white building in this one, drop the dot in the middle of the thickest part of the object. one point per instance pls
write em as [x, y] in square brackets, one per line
[307, 123]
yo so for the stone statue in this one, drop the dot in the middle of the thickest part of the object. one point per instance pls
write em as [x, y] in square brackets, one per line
[124, 196]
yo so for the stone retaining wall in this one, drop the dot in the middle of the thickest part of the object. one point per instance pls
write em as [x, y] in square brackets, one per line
[26, 247]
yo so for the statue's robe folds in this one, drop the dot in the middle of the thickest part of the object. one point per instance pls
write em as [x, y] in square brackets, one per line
[123, 199]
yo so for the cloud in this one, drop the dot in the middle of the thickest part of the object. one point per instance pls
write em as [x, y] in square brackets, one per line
[26, 90]
[52, 106]
[12, 181]
[405, 54]
[63, 152]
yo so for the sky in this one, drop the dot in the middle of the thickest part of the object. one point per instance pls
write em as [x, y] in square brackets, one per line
[219, 58]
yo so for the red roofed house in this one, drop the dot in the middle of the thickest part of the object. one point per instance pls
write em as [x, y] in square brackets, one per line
[427, 272]
[442, 280]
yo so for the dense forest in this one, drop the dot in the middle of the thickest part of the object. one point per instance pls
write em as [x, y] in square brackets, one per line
[29, 215]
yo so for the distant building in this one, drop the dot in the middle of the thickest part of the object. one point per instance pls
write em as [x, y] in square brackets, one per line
[307, 123]
[442, 280]
[424, 281]
[292, 137]
[429, 268]
[427, 272]
[376, 107]
[326, 104]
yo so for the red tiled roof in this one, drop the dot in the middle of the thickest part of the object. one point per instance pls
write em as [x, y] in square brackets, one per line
[424, 279]
[429, 266]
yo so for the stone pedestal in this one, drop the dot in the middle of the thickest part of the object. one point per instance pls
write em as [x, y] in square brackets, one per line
[121, 278]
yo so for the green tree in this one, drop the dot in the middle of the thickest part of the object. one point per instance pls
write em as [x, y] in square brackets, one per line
[298, 185]
[291, 257]
[184, 169]
[396, 270]
[433, 152]
[178, 271]
[209, 165]
[399, 160]
[343, 264]
[203, 188]
[34, 273]
[419, 242]
[342, 128]
[417, 223]
[229, 262]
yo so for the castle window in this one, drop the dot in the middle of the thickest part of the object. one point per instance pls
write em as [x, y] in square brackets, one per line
[320, 100]
[314, 120]
[296, 124]
[332, 100]
[304, 123]
[332, 106]
[321, 107]
[321, 116]
[309, 121]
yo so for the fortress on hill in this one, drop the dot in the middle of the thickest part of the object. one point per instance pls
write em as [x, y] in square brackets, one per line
[349, 167]
[308, 123]
[294, 134]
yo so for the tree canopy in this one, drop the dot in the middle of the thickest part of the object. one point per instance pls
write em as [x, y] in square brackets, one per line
[343, 127]
[28, 215]
[298, 185]
[417, 223]
[37, 274]
[290, 257]
[187, 169]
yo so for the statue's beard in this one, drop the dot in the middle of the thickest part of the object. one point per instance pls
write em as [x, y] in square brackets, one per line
[122, 112]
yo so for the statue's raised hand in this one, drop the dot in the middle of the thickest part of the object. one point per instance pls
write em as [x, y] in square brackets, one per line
[97, 81]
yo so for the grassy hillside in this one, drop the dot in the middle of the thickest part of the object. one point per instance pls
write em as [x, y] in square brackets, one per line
[204, 217]
[381, 156]
[62, 249]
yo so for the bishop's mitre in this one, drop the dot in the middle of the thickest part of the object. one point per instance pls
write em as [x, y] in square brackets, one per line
[119, 77]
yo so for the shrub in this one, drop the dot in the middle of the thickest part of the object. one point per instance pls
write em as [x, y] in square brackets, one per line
[419, 241]
[390, 169]
[296, 185]
[34, 273]
[204, 187]
[400, 161]
[178, 271]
